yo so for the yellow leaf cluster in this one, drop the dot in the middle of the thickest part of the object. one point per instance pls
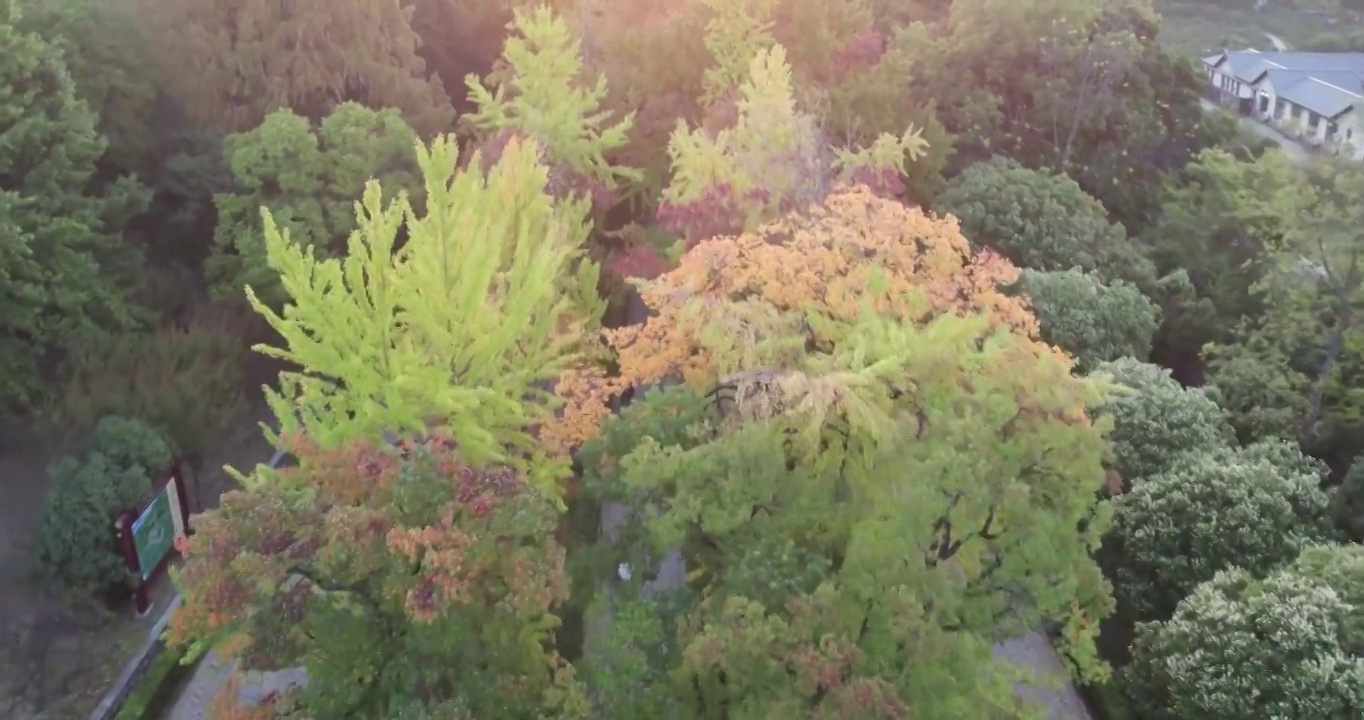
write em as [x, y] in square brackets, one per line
[462, 328]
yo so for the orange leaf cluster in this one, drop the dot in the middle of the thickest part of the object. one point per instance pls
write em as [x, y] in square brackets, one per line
[248, 538]
[855, 253]
[468, 552]
[262, 550]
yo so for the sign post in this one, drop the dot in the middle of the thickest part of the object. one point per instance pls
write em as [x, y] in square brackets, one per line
[147, 536]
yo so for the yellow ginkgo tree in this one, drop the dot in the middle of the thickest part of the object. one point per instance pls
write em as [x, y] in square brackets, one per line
[540, 91]
[774, 159]
[458, 319]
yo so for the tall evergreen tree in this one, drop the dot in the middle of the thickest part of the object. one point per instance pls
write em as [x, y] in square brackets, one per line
[61, 256]
[235, 61]
[309, 178]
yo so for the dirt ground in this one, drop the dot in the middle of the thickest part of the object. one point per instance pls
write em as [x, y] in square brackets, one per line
[56, 659]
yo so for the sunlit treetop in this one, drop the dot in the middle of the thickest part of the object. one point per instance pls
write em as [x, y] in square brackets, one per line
[773, 159]
[541, 92]
[461, 328]
[856, 253]
[737, 31]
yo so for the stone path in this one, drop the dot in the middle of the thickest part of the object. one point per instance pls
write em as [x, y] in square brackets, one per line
[198, 694]
[1034, 652]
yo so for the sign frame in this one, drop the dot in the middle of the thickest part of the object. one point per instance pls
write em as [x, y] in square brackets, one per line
[166, 497]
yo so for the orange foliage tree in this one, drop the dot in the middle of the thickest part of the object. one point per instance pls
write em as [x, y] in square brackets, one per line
[855, 248]
[389, 573]
[870, 463]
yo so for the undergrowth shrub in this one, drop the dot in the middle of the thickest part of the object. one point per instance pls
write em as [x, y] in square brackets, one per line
[76, 548]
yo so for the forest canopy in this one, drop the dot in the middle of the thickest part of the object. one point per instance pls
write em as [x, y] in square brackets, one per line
[711, 359]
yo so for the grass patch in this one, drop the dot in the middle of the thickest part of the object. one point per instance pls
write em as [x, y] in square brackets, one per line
[159, 687]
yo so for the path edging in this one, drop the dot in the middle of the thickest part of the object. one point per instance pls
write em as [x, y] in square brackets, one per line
[136, 668]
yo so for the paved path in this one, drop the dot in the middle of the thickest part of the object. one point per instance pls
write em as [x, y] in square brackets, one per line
[1059, 696]
[198, 694]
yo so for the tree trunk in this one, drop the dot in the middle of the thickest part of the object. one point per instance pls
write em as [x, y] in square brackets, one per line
[1307, 433]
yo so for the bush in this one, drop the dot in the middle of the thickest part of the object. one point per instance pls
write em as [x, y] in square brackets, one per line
[1159, 420]
[1253, 508]
[75, 540]
[1239, 647]
[132, 445]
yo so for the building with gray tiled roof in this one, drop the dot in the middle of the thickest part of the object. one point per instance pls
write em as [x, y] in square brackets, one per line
[1317, 97]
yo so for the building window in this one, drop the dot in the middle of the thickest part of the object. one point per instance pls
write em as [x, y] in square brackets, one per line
[1313, 119]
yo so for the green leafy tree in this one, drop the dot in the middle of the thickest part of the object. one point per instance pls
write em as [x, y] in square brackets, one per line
[1096, 322]
[309, 180]
[1254, 508]
[809, 567]
[233, 62]
[109, 55]
[397, 576]
[1348, 501]
[488, 300]
[63, 266]
[1341, 568]
[1159, 420]
[1080, 87]
[1287, 457]
[864, 93]
[1217, 221]
[1239, 647]
[1256, 381]
[1040, 221]
[1317, 282]
[541, 95]
[737, 32]
[772, 160]
[1292, 368]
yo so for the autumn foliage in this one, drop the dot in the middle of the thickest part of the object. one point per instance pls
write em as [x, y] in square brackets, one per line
[857, 252]
[358, 542]
[871, 463]
[827, 352]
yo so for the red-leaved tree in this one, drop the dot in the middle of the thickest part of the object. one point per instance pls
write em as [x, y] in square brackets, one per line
[393, 574]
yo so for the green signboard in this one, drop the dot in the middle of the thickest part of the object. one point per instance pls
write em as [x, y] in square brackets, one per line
[154, 531]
